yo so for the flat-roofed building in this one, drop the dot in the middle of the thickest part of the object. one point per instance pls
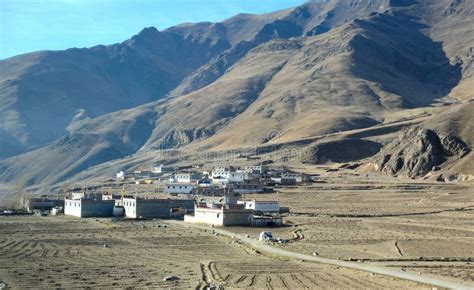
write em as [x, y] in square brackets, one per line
[261, 205]
[43, 203]
[219, 215]
[249, 186]
[136, 207]
[258, 169]
[89, 207]
[186, 177]
[177, 188]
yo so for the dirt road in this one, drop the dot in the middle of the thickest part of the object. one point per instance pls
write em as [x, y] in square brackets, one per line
[263, 247]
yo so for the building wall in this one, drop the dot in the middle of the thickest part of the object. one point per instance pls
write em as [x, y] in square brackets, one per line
[214, 217]
[220, 217]
[297, 177]
[237, 218]
[187, 177]
[149, 208]
[263, 206]
[246, 188]
[267, 222]
[97, 208]
[129, 204]
[45, 204]
[72, 207]
[89, 208]
[179, 188]
[236, 176]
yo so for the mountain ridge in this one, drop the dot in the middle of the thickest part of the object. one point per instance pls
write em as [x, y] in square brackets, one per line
[314, 70]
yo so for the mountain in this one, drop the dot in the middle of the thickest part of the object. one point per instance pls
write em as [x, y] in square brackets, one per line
[43, 92]
[294, 76]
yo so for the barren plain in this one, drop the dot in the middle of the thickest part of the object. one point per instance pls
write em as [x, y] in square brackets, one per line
[413, 226]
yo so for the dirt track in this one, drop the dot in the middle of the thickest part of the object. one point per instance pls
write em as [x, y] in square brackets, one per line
[264, 247]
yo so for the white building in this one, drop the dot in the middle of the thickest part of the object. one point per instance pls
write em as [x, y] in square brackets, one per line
[231, 212]
[227, 174]
[259, 169]
[298, 177]
[261, 206]
[176, 188]
[220, 216]
[185, 177]
[77, 195]
[227, 213]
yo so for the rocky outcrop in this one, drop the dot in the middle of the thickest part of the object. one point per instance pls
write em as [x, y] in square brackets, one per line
[419, 151]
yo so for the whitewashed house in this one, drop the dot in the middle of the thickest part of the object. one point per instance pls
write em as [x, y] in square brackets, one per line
[185, 177]
[261, 206]
[227, 174]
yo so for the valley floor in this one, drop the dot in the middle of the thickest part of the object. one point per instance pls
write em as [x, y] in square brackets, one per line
[416, 227]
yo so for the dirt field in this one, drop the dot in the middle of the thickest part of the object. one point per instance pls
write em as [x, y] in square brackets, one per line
[64, 252]
[419, 227]
[415, 226]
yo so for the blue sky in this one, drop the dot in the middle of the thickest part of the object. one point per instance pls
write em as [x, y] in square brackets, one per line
[30, 25]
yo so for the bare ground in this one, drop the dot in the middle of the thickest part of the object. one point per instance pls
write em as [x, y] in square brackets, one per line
[63, 252]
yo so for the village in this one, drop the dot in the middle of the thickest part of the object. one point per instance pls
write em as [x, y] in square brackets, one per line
[215, 197]
[208, 222]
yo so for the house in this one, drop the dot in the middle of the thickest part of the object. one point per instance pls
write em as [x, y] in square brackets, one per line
[220, 216]
[222, 171]
[227, 174]
[78, 194]
[111, 196]
[227, 213]
[256, 169]
[85, 207]
[185, 177]
[298, 177]
[43, 203]
[136, 207]
[137, 174]
[261, 206]
[249, 186]
[177, 188]
[211, 191]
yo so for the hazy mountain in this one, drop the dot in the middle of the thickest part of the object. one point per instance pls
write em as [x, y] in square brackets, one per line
[317, 69]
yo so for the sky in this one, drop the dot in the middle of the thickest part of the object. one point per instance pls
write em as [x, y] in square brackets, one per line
[31, 25]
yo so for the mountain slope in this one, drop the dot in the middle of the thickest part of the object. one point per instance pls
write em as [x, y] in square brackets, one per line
[40, 93]
[252, 80]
